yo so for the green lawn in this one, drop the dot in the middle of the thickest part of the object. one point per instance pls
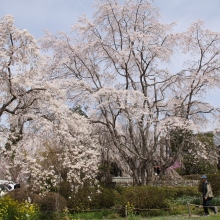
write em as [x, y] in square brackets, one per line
[177, 217]
[179, 212]
[211, 217]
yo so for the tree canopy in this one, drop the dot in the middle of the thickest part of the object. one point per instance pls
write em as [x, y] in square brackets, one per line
[117, 66]
[34, 113]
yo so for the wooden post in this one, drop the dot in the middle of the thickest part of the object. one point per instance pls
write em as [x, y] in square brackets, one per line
[189, 210]
[126, 212]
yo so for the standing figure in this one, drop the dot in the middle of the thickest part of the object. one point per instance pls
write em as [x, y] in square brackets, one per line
[207, 196]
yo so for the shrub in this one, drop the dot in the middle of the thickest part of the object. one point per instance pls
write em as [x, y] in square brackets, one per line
[91, 197]
[20, 194]
[192, 177]
[104, 199]
[118, 199]
[157, 199]
[50, 202]
[145, 197]
[216, 201]
[174, 192]
[120, 189]
[11, 209]
[65, 189]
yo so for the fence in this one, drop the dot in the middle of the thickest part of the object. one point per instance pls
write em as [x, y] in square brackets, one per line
[127, 210]
[189, 205]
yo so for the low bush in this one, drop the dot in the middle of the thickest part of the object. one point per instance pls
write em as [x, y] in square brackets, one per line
[20, 194]
[186, 200]
[65, 189]
[192, 177]
[157, 201]
[48, 202]
[91, 197]
[180, 191]
[215, 201]
[145, 197]
[104, 198]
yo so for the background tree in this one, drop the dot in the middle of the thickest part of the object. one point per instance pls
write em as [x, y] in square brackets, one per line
[70, 136]
[206, 161]
[78, 109]
[33, 111]
[21, 88]
[19, 60]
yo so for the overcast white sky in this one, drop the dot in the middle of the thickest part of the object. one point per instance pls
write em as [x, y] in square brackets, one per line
[55, 15]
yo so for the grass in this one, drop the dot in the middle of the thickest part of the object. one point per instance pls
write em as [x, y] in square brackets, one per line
[176, 217]
[179, 212]
[193, 217]
[196, 213]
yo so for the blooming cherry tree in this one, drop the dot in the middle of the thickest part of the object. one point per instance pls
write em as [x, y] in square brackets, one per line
[116, 65]
[33, 111]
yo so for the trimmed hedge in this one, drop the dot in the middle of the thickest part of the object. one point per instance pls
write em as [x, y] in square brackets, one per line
[145, 197]
[192, 177]
[148, 197]
[88, 197]
[181, 191]
[49, 202]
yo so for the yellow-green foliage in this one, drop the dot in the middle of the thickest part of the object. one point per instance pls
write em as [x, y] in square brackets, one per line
[130, 209]
[11, 209]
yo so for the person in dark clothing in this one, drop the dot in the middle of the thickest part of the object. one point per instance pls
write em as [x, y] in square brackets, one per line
[157, 170]
[207, 196]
